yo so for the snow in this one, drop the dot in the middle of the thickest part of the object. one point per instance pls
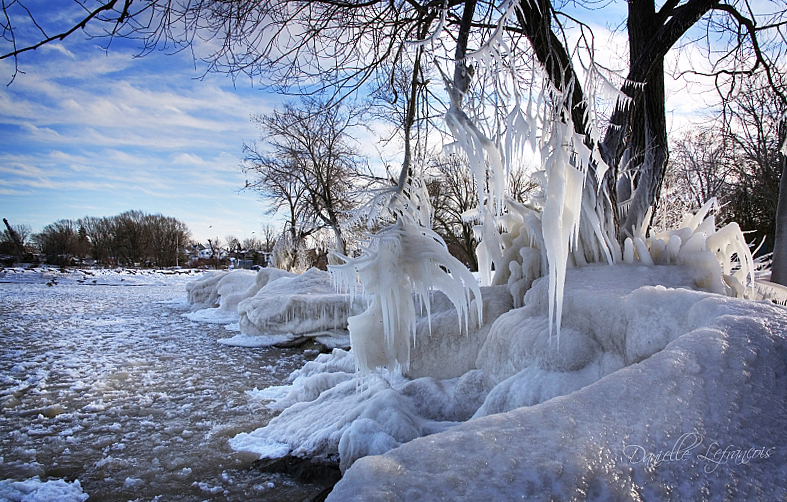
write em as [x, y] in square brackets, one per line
[644, 352]
[35, 490]
[688, 401]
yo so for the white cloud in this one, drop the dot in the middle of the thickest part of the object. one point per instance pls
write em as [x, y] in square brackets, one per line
[84, 130]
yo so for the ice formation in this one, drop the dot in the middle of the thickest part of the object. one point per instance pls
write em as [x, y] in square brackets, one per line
[274, 307]
[688, 423]
[616, 320]
[328, 395]
[223, 289]
[401, 264]
[295, 307]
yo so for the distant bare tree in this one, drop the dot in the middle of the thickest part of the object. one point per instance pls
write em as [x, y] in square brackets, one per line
[101, 234]
[166, 236]
[452, 193]
[269, 236]
[60, 241]
[520, 186]
[311, 165]
[755, 126]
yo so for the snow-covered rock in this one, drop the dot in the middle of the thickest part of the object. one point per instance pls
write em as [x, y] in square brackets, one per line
[295, 307]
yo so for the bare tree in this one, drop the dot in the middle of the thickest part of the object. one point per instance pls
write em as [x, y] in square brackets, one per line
[269, 237]
[311, 161]
[779, 266]
[101, 233]
[166, 236]
[274, 181]
[338, 47]
[60, 242]
[753, 123]
[452, 192]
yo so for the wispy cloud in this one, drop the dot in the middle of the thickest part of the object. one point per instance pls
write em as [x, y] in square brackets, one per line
[88, 130]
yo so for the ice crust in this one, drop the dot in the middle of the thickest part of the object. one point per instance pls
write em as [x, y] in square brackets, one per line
[35, 490]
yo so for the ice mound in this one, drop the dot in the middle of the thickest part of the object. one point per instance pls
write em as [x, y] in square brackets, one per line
[274, 307]
[331, 411]
[225, 289]
[621, 322]
[440, 333]
[614, 316]
[294, 308]
[690, 422]
[35, 490]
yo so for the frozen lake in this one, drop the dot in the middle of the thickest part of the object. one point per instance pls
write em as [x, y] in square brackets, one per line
[111, 385]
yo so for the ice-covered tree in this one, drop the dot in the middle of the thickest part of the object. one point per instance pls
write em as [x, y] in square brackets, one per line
[518, 83]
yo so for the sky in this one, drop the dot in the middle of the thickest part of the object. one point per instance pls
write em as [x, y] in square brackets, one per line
[90, 132]
[86, 131]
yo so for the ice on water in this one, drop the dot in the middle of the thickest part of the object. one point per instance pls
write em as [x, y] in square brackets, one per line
[35, 490]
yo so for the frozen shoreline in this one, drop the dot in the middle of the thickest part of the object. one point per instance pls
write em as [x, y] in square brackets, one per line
[645, 361]
[658, 390]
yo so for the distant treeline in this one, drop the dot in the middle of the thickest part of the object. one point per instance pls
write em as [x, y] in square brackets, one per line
[133, 238]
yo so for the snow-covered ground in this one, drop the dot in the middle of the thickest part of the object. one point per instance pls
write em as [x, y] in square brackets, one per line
[112, 386]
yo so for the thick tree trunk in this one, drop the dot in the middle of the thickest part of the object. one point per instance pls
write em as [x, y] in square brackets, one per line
[647, 152]
[779, 264]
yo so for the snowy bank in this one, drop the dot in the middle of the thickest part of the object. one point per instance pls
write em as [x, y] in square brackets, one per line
[643, 359]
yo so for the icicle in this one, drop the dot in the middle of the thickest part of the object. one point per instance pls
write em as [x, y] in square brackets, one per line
[642, 251]
[628, 250]
[400, 261]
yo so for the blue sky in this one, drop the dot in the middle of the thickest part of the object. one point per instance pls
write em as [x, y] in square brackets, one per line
[86, 131]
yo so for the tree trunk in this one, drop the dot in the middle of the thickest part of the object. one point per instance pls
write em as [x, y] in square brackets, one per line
[646, 155]
[779, 264]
